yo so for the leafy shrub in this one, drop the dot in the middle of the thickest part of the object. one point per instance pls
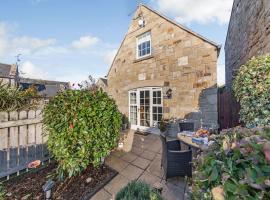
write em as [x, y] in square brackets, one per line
[2, 192]
[12, 98]
[236, 166]
[83, 126]
[136, 190]
[251, 88]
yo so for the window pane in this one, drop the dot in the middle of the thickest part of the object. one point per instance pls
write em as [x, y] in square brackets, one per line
[154, 101]
[154, 109]
[143, 52]
[159, 93]
[141, 94]
[148, 44]
[159, 109]
[154, 117]
[158, 100]
[148, 51]
[147, 94]
[159, 117]
[154, 94]
[143, 45]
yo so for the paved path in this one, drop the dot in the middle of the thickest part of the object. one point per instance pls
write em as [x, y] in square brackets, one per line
[140, 161]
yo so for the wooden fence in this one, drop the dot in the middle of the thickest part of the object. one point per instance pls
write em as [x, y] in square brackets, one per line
[21, 141]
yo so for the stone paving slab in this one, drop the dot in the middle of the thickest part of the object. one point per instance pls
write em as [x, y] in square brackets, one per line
[129, 157]
[142, 162]
[148, 155]
[137, 151]
[131, 172]
[102, 195]
[116, 184]
[149, 178]
[116, 163]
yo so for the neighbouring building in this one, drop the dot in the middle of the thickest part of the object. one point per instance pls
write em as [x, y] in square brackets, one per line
[8, 74]
[102, 83]
[45, 88]
[248, 36]
[164, 70]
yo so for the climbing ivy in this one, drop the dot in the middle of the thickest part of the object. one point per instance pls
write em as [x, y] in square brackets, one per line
[252, 89]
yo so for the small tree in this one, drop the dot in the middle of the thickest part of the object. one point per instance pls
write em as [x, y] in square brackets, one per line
[252, 89]
[83, 127]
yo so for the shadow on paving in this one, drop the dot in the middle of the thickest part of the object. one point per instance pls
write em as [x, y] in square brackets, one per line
[140, 160]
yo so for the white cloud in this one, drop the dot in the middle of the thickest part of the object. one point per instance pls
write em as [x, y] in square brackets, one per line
[3, 38]
[29, 45]
[29, 70]
[85, 42]
[109, 56]
[201, 11]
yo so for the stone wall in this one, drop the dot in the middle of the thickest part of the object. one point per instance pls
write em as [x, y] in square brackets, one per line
[248, 35]
[180, 60]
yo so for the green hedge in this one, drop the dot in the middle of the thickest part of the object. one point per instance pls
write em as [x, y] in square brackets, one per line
[136, 190]
[83, 127]
[252, 89]
[236, 166]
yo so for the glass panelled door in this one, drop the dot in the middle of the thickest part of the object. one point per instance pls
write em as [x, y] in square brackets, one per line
[157, 107]
[145, 107]
[133, 109]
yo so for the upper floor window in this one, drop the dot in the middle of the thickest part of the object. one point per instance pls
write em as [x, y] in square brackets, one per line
[144, 45]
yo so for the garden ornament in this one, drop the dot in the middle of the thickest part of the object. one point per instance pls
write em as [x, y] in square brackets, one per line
[47, 189]
[34, 164]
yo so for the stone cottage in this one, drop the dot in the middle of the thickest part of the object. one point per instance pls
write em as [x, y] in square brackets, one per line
[164, 70]
[248, 36]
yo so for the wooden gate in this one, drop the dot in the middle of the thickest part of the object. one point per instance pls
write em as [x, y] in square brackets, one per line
[21, 141]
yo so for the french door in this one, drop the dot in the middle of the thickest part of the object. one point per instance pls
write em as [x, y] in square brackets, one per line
[145, 107]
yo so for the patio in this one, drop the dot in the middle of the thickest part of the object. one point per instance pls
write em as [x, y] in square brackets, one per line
[140, 160]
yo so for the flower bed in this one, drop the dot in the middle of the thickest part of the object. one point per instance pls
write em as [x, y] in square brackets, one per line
[83, 186]
[236, 166]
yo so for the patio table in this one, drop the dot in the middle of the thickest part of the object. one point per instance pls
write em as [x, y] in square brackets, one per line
[187, 140]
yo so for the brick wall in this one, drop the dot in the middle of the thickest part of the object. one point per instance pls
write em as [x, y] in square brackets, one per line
[248, 35]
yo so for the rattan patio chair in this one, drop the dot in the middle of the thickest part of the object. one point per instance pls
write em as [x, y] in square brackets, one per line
[174, 161]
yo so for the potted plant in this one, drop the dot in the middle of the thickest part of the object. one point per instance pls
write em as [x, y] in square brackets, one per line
[124, 122]
[163, 126]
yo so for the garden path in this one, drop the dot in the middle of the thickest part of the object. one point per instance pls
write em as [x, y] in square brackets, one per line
[140, 160]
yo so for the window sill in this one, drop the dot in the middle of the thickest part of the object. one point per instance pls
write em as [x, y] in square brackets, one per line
[143, 58]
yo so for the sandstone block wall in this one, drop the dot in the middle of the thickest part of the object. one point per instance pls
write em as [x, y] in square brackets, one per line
[180, 61]
[248, 35]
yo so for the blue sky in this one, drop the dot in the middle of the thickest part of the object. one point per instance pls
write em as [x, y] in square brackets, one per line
[68, 40]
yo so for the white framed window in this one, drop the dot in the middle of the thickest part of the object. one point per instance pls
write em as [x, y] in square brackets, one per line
[144, 45]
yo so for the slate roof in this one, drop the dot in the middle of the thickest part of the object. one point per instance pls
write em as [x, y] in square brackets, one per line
[7, 71]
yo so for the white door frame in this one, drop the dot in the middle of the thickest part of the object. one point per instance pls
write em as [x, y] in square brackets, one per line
[137, 105]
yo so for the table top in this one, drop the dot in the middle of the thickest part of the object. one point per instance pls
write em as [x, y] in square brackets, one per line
[188, 141]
